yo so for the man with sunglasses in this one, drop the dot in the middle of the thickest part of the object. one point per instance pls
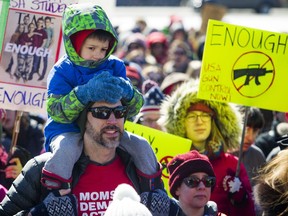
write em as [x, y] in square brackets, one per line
[191, 181]
[100, 169]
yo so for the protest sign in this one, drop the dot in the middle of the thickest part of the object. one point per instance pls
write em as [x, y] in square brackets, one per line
[245, 66]
[165, 145]
[30, 46]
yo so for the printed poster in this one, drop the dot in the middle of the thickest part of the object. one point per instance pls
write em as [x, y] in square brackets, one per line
[165, 145]
[245, 66]
[31, 45]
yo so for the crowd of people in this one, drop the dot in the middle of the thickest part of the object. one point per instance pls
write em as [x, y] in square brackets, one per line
[82, 159]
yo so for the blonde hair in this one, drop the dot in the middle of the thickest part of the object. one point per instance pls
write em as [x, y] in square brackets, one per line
[214, 141]
[174, 112]
[271, 191]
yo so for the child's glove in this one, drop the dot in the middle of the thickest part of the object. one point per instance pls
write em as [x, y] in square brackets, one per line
[236, 192]
[102, 87]
[55, 204]
[127, 88]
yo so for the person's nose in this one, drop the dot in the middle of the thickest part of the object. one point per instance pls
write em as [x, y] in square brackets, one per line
[96, 55]
[154, 125]
[250, 136]
[112, 119]
[199, 119]
[201, 185]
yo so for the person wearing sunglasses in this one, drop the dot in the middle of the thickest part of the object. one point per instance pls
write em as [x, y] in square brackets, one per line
[214, 128]
[87, 72]
[191, 181]
[102, 166]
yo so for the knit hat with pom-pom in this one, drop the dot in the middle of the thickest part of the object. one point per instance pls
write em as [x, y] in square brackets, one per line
[126, 202]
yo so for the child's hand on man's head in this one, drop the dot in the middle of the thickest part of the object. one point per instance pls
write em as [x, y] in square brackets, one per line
[102, 87]
[128, 91]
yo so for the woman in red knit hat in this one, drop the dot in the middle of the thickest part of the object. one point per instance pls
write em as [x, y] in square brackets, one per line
[191, 181]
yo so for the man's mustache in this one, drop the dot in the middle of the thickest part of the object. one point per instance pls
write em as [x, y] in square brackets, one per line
[111, 127]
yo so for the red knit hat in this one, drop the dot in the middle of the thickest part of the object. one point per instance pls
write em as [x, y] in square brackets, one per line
[78, 39]
[200, 107]
[183, 165]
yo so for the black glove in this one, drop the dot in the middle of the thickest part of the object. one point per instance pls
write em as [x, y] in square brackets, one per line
[55, 204]
[102, 87]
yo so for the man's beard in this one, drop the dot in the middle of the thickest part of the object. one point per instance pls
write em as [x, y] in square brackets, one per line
[100, 139]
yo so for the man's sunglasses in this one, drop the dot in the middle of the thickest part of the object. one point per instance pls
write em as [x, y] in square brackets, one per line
[193, 182]
[105, 112]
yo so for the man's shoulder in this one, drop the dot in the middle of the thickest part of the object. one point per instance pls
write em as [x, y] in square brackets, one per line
[254, 155]
[33, 168]
[38, 160]
[131, 137]
[267, 136]
[255, 150]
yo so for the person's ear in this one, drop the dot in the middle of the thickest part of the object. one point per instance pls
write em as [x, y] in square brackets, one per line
[177, 192]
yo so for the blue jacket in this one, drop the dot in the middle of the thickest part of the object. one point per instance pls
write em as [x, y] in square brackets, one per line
[72, 70]
[62, 79]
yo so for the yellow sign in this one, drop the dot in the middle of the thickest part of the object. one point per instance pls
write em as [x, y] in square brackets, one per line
[245, 66]
[165, 145]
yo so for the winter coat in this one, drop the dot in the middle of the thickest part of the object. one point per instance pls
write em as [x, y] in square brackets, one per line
[225, 165]
[27, 191]
[210, 209]
[267, 141]
[227, 119]
[253, 160]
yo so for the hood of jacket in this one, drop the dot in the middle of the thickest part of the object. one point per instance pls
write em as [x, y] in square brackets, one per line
[174, 111]
[78, 17]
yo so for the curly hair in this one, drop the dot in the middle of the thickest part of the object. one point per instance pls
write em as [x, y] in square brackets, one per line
[271, 190]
